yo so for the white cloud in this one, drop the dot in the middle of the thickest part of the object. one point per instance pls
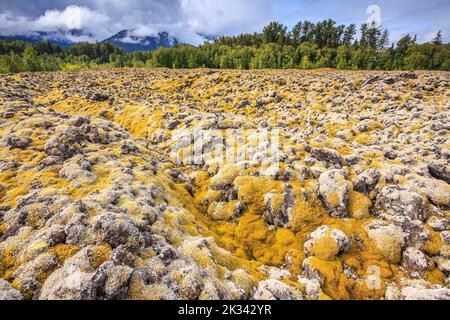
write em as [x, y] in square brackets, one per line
[145, 30]
[13, 25]
[225, 16]
[93, 23]
[72, 17]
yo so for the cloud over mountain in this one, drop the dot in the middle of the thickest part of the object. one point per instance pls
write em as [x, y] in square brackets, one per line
[73, 17]
[101, 18]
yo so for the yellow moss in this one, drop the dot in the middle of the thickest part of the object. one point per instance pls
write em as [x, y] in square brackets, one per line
[285, 237]
[333, 198]
[435, 276]
[294, 260]
[130, 206]
[390, 249]
[37, 246]
[222, 210]
[359, 205]
[361, 291]
[364, 139]
[435, 244]
[99, 254]
[217, 260]
[325, 248]
[204, 199]
[26, 292]
[324, 297]
[250, 189]
[334, 279]
[307, 214]
[7, 261]
[386, 270]
[108, 115]
[64, 251]
[251, 229]
[181, 221]
[19, 185]
[345, 151]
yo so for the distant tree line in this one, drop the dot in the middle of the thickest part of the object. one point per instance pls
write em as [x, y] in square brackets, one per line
[307, 45]
[20, 56]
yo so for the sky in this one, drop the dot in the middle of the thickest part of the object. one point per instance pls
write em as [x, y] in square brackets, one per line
[185, 19]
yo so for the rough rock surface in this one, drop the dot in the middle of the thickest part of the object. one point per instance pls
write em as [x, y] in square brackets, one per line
[417, 290]
[7, 292]
[168, 184]
[276, 290]
[389, 239]
[396, 201]
[334, 190]
[327, 243]
[366, 181]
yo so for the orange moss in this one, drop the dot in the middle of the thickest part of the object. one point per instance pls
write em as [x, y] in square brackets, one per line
[361, 290]
[325, 248]
[7, 262]
[99, 254]
[359, 205]
[334, 279]
[64, 251]
[434, 245]
[435, 276]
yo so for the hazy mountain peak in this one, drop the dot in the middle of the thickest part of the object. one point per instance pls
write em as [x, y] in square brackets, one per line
[129, 41]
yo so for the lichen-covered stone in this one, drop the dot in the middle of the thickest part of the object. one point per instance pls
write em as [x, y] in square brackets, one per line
[398, 201]
[334, 191]
[278, 207]
[328, 156]
[415, 261]
[326, 243]
[389, 240]
[437, 191]
[8, 293]
[366, 181]
[118, 230]
[417, 290]
[276, 290]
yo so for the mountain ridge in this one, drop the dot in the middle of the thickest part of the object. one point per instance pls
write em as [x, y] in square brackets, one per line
[62, 38]
[124, 39]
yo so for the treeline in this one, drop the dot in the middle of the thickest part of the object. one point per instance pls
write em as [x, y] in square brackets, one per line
[20, 56]
[307, 45]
